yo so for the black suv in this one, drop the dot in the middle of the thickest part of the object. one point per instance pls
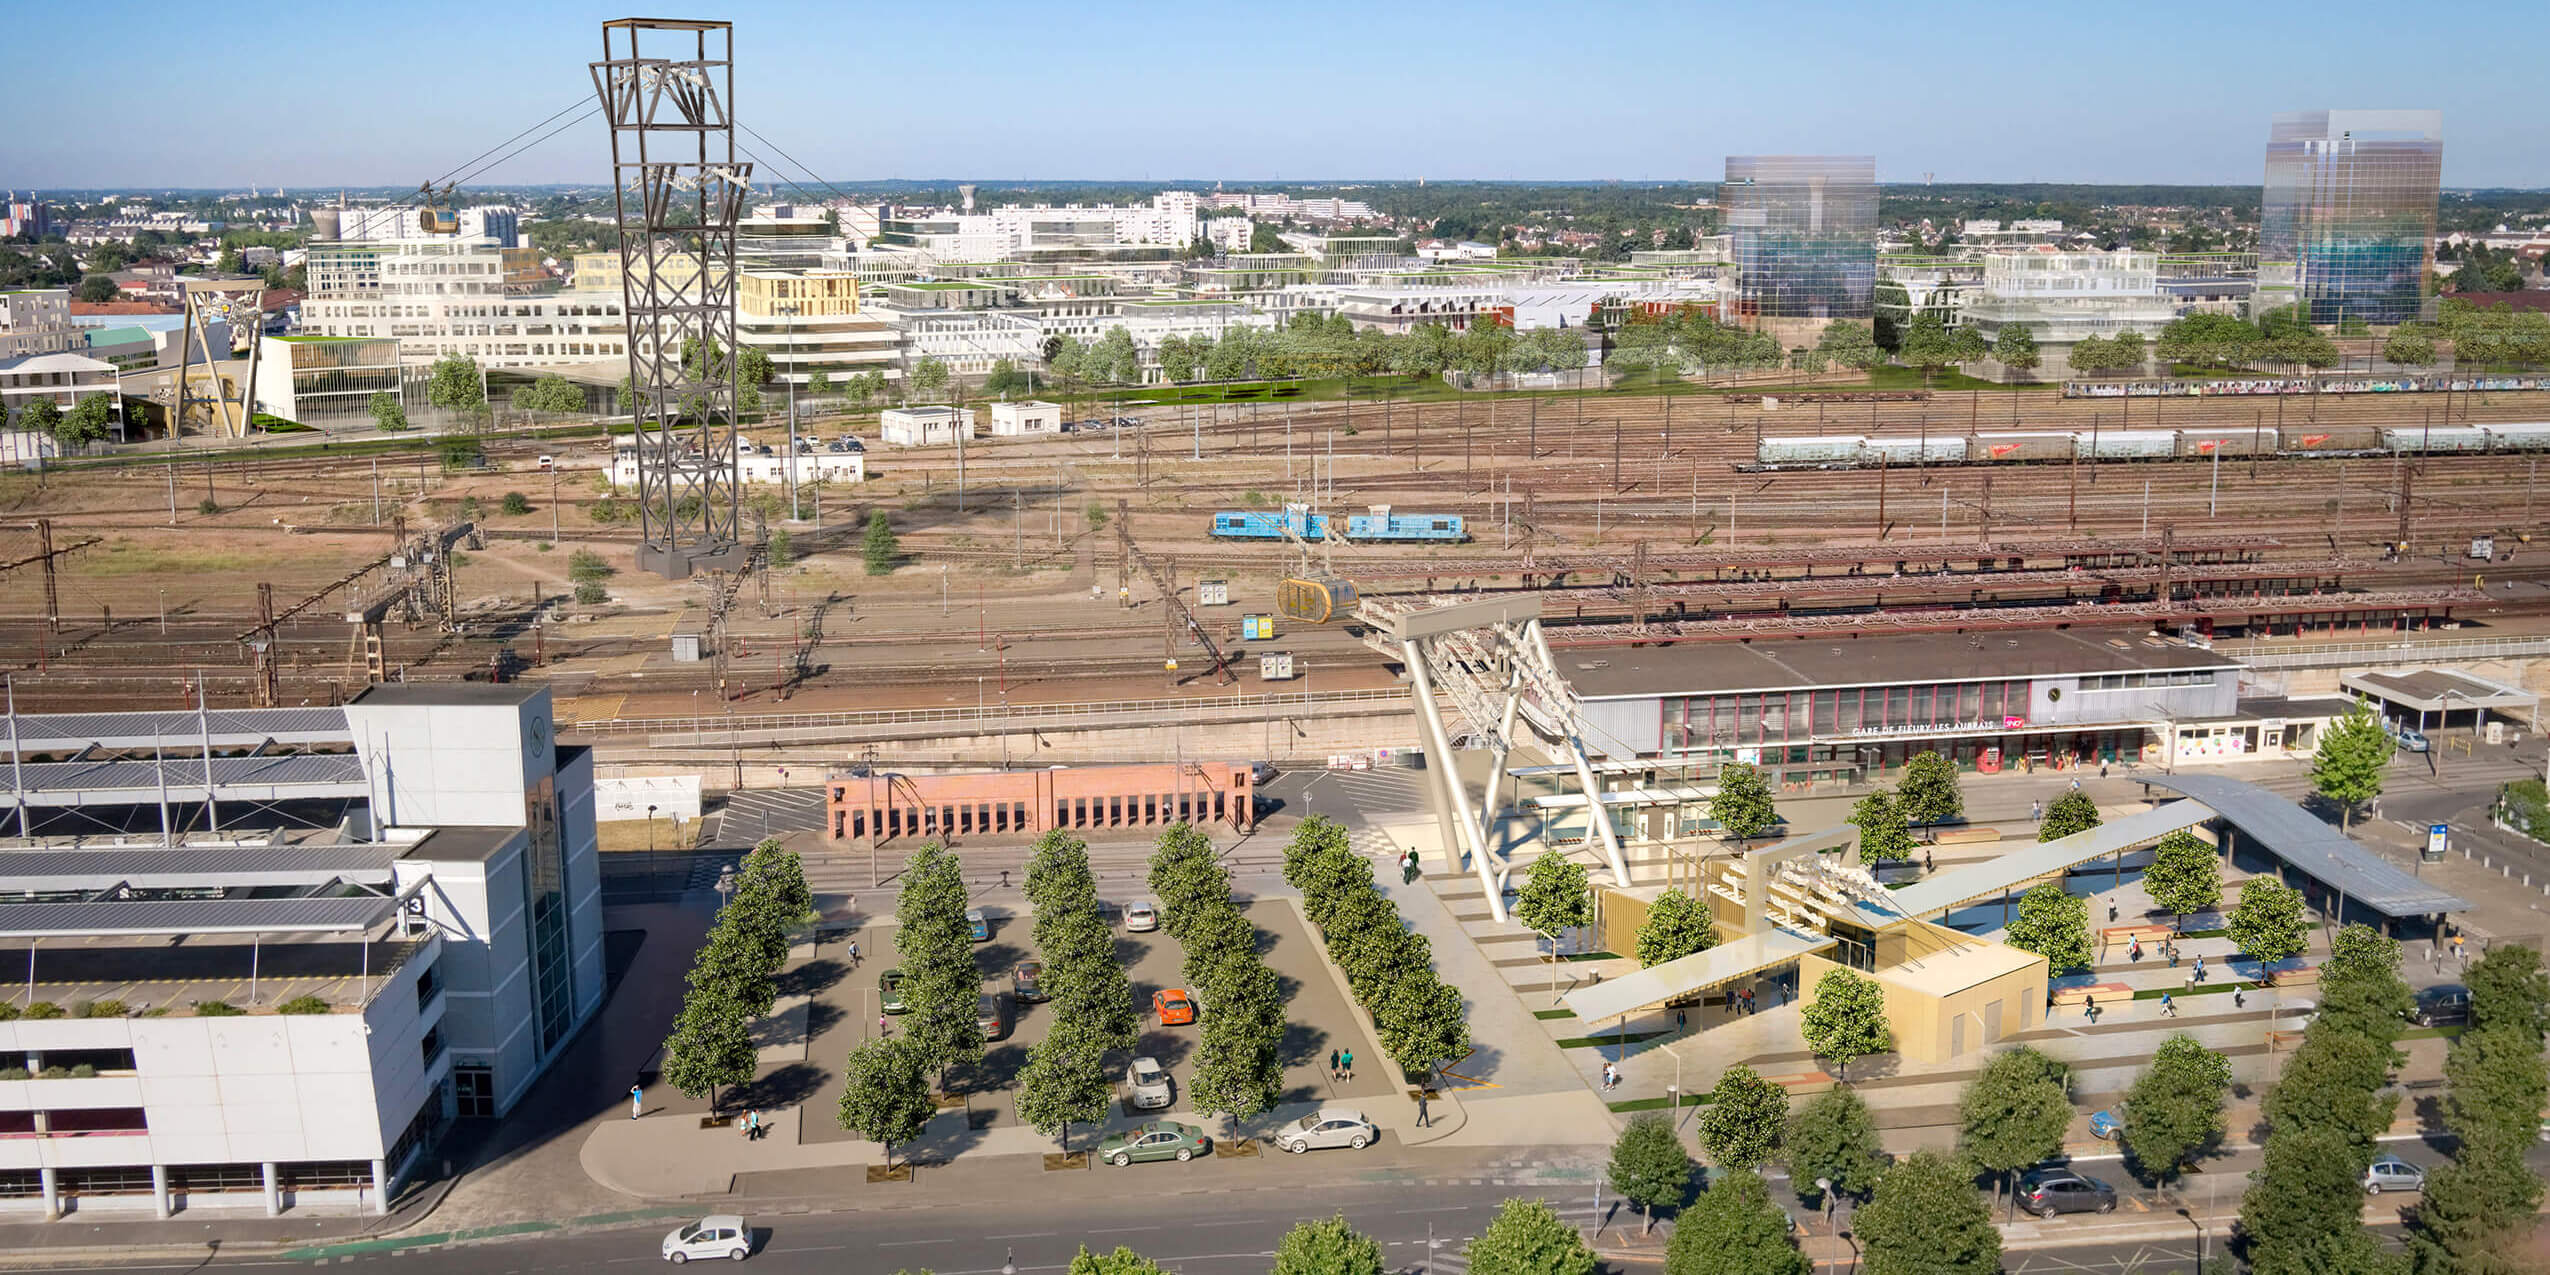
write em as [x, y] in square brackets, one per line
[2442, 1004]
[2046, 1192]
[1027, 979]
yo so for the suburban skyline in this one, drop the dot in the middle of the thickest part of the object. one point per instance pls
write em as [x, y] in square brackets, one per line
[1140, 93]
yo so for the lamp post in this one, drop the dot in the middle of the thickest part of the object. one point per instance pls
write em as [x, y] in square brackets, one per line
[2204, 1240]
[788, 332]
[650, 841]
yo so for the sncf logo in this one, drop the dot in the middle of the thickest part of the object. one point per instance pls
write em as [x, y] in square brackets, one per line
[2000, 450]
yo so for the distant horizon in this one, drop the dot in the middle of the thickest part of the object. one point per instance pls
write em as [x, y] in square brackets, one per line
[1200, 184]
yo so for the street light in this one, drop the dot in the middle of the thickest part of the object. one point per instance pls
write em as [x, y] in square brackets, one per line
[2204, 1240]
[650, 841]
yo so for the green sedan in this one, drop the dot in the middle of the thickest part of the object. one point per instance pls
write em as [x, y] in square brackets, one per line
[890, 992]
[1155, 1140]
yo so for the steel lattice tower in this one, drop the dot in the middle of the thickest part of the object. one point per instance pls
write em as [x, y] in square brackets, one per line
[671, 109]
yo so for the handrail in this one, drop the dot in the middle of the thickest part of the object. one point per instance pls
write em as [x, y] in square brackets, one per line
[2399, 652]
[991, 712]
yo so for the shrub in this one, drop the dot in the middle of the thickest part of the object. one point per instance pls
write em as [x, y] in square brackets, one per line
[207, 506]
[217, 1009]
[8, 1010]
[85, 1071]
[591, 593]
[516, 503]
[101, 1009]
[584, 566]
[55, 1072]
[44, 1009]
[13, 1073]
[302, 1005]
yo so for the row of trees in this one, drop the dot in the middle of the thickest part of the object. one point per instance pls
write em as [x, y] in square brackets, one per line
[2478, 1209]
[85, 423]
[1390, 968]
[731, 981]
[1238, 1072]
[1066, 1081]
[886, 1091]
[1526, 1237]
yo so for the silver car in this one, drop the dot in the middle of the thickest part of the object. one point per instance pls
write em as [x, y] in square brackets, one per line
[1141, 918]
[1328, 1127]
[1148, 1082]
[2390, 1173]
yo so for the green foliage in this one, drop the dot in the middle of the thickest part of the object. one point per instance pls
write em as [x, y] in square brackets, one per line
[2054, 924]
[584, 566]
[2360, 984]
[2016, 348]
[1554, 896]
[515, 503]
[2174, 1112]
[1746, 1117]
[549, 394]
[2409, 347]
[2094, 355]
[40, 416]
[1186, 876]
[1327, 1246]
[1123, 1261]
[2478, 1210]
[2353, 754]
[1065, 1080]
[2071, 813]
[1088, 985]
[2267, 923]
[85, 423]
[2185, 875]
[1846, 1019]
[711, 1044]
[935, 945]
[2301, 1216]
[1676, 926]
[1928, 792]
[782, 549]
[117, 1009]
[2334, 1082]
[1743, 805]
[41, 1010]
[212, 1009]
[1527, 1238]
[927, 380]
[880, 550]
[591, 593]
[1005, 379]
[1648, 1165]
[1833, 1137]
[302, 1005]
[2014, 1112]
[2509, 989]
[97, 288]
[455, 384]
[459, 454]
[1929, 344]
[387, 412]
[1851, 345]
[1421, 1019]
[885, 1092]
[1883, 833]
[1925, 1219]
[1735, 1229]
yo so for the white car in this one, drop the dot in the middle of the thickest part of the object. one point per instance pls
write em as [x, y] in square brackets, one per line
[2390, 1173]
[1148, 1082]
[717, 1235]
[1328, 1127]
[1141, 918]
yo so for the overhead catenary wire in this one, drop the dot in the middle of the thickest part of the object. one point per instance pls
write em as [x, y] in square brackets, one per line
[801, 165]
[591, 109]
[464, 164]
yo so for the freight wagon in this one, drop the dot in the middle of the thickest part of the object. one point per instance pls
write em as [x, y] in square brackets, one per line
[1269, 526]
[2015, 446]
[1384, 527]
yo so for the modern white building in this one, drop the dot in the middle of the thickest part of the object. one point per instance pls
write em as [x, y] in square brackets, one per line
[924, 426]
[1230, 234]
[810, 468]
[446, 296]
[1029, 416]
[1168, 223]
[37, 321]
[62, 379]
[272, 953]
[2062, 297]
[324, 381]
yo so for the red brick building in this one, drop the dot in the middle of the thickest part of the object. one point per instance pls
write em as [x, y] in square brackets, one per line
[1030, 802]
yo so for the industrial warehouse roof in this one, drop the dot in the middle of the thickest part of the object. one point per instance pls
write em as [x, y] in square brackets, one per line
[182, 867]
[120, 919]
[2326, 855]
[285, 775]
[1706, 668]
[228, 728]
[1698, 972]
[1949, 891]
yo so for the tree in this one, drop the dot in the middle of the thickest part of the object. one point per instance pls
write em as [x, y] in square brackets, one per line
[1423, 1024]
[2347, 768]
[772, 900]
[515, 504]
[782, 548]
[1925, 1220]
[98, 288]
[1845, 1019]
[928, 379]
[1746, 1116]
[711, 1044]
[2185, 876]
[2478, 1210]
[2509, 989]
[1186, 877]
[2016, 349]
[1238, 1072]
[455, 384]
[1928, 792]
[2071, 813]
[2094, 355]
[1735, 1229]
[2302, 1212]
[2174, 1112]
[2360, 984]
[1065, 1081]
[1526, 1238]
[550, 394]
[1123, 1261]
[1850, 345]
[39, 416]
[2336, 1080]
[941, 984]
[2053, 923]
[820, 383]
[1649, 1167]
[885, 1093]
[1554, 896]
[85, 423]
[880, 548]
[1833, 1138]
[1675, 927]
[2267, 923]
[1930, 344]
[1883, 834]
[1742, 805]
[2409, 347]
[1327, 1246]
[584, 565]
[2014, 1112]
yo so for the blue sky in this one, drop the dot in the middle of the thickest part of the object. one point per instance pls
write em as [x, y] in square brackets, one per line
[371, 93]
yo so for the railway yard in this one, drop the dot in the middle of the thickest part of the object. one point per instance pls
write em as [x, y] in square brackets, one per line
[295, 576]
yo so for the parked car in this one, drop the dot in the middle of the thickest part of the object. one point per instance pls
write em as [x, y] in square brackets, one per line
[1155, 1140]
[2442, 1004]
[2105, 1125]
[2413, 741]
[717, 1235]
[1141, 917]
[890, 992]
[992, 1015]
[980, 924]
[1262, 772]
[2390, 1173]
[1328, 1127]
[2046, 1192]
[1174, 1006]
[1027, 981]
[1148, 1082]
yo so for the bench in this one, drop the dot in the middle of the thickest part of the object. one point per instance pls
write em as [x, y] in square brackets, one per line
[1965, 836]
[2110, 993]
[2306, 976]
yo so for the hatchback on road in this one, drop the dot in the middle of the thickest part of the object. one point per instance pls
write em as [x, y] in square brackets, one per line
[2390, 1173]
[1174, 1006]
[2046, 1192]
[1148, 1082]
[1141, 918]
[717, 1235]
[1027, 981]
[1156, 1140]
[980, 924]
[1328, 1127]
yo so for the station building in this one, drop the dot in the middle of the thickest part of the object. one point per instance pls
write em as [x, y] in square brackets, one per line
[261, 958]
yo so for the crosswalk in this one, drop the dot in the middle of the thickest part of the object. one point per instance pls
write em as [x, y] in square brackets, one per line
[1378, 794]
[755, 813]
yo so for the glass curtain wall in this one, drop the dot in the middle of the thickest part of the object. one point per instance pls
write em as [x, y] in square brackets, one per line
[1804, 231]
[2349, 210]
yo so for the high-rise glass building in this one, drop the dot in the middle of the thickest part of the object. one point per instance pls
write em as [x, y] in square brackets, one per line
[1804, 229]
[2347, 221]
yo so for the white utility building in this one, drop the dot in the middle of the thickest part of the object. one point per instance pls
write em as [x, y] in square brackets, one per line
[924, 426]
[1032, 416]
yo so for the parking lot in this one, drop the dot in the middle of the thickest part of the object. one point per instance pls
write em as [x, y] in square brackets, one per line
[1318, 1020]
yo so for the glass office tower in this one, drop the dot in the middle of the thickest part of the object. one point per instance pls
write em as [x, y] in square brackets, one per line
[1805, 234]
[2348, 215]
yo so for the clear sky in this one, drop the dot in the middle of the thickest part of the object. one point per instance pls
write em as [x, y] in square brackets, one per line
[133, 92]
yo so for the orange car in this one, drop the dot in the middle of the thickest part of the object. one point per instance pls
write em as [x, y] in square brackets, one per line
[1174, 1006]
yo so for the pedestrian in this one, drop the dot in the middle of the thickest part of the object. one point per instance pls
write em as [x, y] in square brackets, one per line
[2173, 954]
[1679, 1022]
[2168, 1006]
[1423, 1120]
[2036, 810]
[637, 1100]
[2111, 914]
[2200, 967]
[2089, 1007]
[2076, 785]
[2239, 998]
[2102, 770]
[1334, 1071]
[1928, 864]
[2458, 953]
[1004, 878]
[1611, 1077]
[882, 1029]
[2134, 950]
[854, 954]
[1348, 1058]
[744, 1127]
[760, 1130]
[1748, 1000]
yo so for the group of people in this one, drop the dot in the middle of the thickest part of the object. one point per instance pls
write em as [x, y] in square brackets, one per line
[1341, 1064]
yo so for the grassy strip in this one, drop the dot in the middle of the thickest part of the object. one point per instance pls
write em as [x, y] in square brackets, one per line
[1596, 1042]
[1592, 956]
[2201, 989]
[1553, 1013]
[1659, 1104]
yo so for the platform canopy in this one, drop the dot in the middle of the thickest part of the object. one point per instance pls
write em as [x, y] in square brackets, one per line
[196, 867]
[2432, 690]
[1689, 975]
[1990, 879]
[172, 917]
[2292, 834]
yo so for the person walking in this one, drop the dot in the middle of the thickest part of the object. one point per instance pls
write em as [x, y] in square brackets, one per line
[883, 1029]
[2168, 1006]
[1348, 1058]
[854, 954]
[2134, 951]
[2458, 953]
[2089, 1008]
[1679, 1022]
[2036, 811]
[1424, 1121]
[1611, 1077]
[759, 1129]
[1334, 1071]
[2239, 998]
[637, 1100]
[2200, 967]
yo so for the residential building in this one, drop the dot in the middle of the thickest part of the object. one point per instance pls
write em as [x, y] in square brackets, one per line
[809, 322]
[803, 469]
[472, 297]
[37, 321]
[62, 378]
[1804, 229]
[323, 381]
[300, 958]
[1166, 225]
[2024, 233]
[1283, 207]
[2346, 225]
[1230, 234]
[1463, 250]
[1909, 287]
[28, 216]
[2062, 297]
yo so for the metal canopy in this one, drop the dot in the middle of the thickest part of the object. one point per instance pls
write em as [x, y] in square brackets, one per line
[1990, 879]
[175, 729]
[277, 778]
[2319, 851]
[2432, 690]
[187, 916]
[185, 867]
[1697, 972]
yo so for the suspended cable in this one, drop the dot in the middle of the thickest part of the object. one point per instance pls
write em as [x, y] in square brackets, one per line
[580, 101]
[591, 109]
[801, 164]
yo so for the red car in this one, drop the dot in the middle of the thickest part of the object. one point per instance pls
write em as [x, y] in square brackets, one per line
[1174, 1006]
